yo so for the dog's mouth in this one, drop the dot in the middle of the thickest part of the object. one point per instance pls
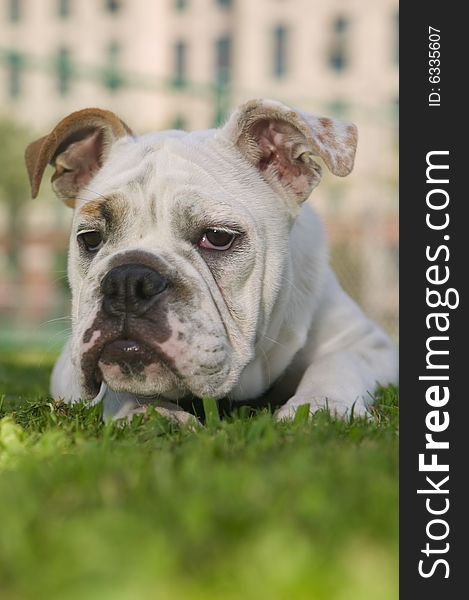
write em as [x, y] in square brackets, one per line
[127, 358]
[146, 358]
[131, 354]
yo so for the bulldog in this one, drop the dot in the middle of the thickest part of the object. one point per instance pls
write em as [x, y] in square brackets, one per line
[197, 269]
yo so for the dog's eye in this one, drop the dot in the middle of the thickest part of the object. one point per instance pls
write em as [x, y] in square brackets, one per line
[217, 239]
[91, 241]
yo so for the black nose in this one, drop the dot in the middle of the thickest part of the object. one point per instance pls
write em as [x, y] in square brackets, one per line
[131, 289]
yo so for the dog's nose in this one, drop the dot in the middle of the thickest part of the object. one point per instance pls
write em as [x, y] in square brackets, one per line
[131, 289]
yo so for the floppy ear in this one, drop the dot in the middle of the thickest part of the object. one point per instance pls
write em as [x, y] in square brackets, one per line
[77, 147]
[280, 142]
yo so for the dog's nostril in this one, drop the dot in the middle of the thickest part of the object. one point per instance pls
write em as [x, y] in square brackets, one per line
[140, 290]
[149, 286]
[110, 287]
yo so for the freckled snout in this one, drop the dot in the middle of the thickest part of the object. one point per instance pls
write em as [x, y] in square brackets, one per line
[131, 290]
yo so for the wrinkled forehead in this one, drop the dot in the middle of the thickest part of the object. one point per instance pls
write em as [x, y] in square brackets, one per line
[155, 170]
[155, 162]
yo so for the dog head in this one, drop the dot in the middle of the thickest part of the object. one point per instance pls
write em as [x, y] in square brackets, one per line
[180, 241]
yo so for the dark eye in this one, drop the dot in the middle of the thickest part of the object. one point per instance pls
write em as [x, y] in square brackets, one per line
[91, 241]
[217, 239]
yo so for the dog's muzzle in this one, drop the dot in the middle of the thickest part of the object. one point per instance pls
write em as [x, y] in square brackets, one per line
[131, 290]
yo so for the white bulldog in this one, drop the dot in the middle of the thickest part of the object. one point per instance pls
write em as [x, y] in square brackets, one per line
[197, 268]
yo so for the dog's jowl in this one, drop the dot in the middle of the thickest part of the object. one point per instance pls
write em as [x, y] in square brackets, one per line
[198, 269]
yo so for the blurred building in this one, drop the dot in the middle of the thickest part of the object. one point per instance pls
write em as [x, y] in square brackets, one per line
[186, 63]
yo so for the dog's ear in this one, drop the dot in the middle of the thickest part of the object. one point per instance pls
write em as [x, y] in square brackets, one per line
[77, 147]
[280, 142]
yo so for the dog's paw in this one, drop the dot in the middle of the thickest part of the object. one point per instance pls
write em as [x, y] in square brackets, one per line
[179, 416]
[287, 412]
[168, 410]
[342, 410]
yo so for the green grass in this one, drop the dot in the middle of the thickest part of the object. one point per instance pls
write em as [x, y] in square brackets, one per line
[244, 508]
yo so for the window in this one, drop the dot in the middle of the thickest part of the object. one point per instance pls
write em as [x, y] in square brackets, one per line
[223, 60]
[335, 200]
[180, 66]
[340, 25]
[280, 51]
[224, 3]
[180, 4]
[112, 77]
[338, 49]
[179, 122]
[64, 71]
[64, 8]
[222, 78]
[15, 66]
[395, 109]
[15, 10]
[113, 6]
[338, 107]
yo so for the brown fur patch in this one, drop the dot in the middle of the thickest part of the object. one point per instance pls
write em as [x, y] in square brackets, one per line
[93, 208]
[326, 134]
[326, 122]
[352, 137]
[112, 210]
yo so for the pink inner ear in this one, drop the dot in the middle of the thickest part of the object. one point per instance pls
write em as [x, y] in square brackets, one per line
[276, 141]
[81, 160]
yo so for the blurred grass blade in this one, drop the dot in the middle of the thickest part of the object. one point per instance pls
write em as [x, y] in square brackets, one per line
[302, 414]
[212, 416]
